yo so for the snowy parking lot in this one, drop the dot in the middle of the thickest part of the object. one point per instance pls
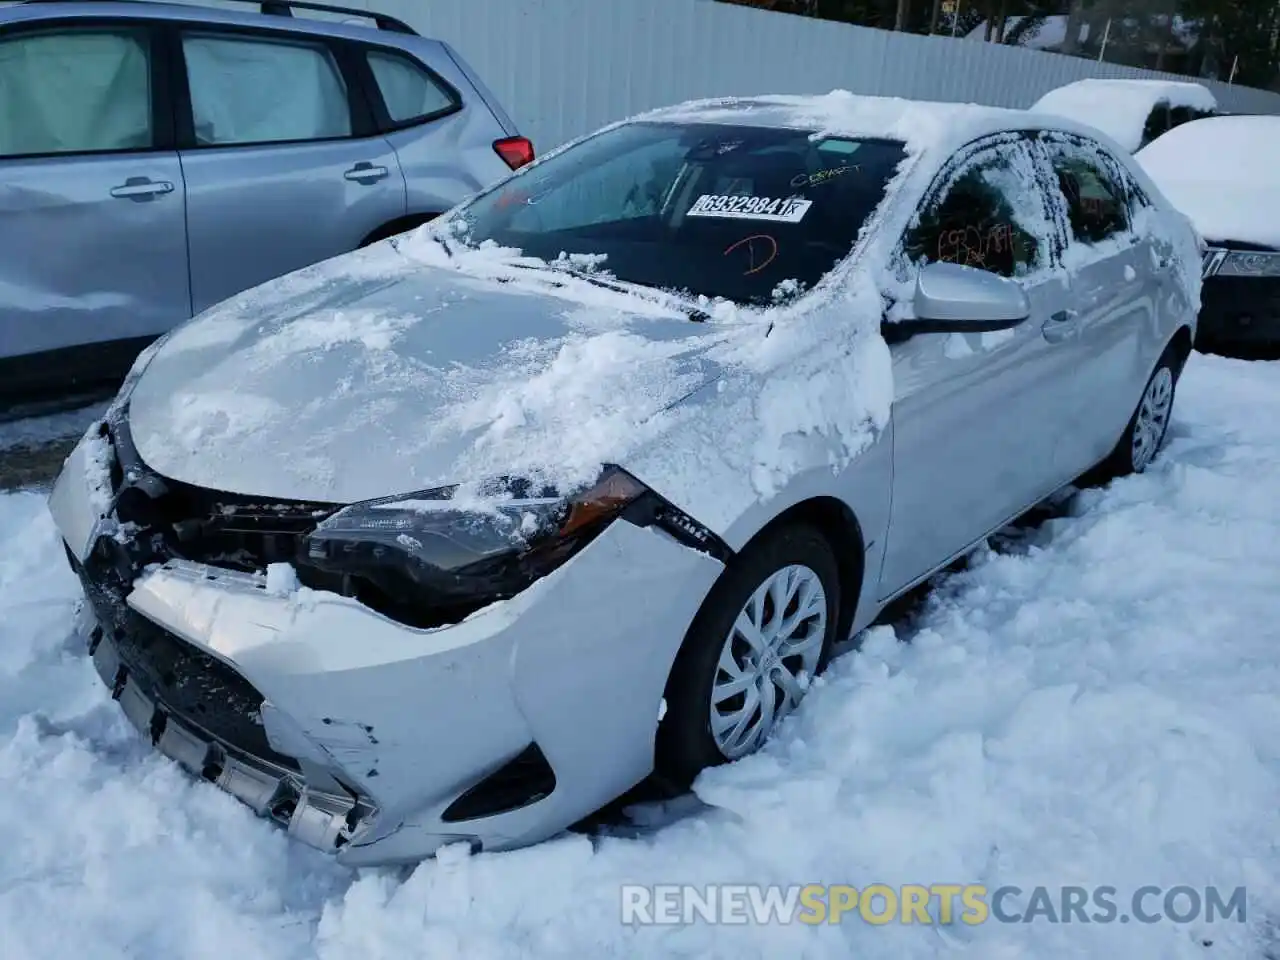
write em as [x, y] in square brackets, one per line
[1093, 703]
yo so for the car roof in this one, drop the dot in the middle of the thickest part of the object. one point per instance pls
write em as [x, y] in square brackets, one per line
[156, 9]
[922, 125]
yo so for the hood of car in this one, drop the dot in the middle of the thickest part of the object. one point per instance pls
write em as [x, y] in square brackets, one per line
[374, 375]
[1220, 172]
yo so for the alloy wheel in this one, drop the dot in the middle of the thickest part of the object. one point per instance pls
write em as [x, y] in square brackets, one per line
[768, 658]
[1152, 420]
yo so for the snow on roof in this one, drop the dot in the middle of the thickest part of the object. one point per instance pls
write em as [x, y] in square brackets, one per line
[920, 124]
[1221, 173]
[1119, 108]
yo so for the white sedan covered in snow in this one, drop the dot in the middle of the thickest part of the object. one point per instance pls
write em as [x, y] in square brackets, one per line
[457, 538]
[1221, 172]
[1131, 112]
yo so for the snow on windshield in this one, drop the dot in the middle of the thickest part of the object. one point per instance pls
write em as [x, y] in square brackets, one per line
[1119, 108]
[1221, 172]
[718, 210]
[1095, 705]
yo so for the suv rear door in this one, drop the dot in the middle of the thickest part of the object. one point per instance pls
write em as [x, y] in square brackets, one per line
[282, 162]
[93, 246]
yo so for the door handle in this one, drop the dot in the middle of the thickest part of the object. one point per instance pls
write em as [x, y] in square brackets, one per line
[1060, 326]
[141, 189]
[365, 172]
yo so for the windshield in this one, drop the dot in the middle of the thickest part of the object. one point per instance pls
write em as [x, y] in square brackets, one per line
[745, 213]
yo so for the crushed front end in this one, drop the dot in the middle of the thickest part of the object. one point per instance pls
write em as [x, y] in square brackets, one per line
[370, 722]
[194, 707]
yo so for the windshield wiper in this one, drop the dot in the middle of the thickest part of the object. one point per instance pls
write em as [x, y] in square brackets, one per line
[693, 312]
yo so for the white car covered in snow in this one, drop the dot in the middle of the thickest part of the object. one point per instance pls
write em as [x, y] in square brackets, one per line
[1222, 173]
[1133, 113]
[458, 538]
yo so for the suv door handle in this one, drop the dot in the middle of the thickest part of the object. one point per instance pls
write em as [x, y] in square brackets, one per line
[141, 189]
[1060, 326]
[365, 172]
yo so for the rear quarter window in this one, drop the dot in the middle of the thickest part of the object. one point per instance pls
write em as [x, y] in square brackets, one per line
[410, 92]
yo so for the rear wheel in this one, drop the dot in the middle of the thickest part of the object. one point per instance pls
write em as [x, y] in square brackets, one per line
[1145, 434]
[763, 633]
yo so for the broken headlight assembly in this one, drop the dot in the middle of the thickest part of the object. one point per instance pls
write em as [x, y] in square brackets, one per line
[434, 557]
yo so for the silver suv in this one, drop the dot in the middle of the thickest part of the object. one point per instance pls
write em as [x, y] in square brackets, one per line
[157, 158]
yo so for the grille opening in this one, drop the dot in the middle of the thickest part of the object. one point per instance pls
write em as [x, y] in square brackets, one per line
[524, 780]
[181, 677]
[1242, 313]
[172, 520]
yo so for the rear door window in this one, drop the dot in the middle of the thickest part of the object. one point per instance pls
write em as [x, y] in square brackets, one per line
[253, 90]
[75, 91]
[1093, 195]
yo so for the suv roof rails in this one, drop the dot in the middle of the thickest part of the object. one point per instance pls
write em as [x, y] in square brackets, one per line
[285, 8]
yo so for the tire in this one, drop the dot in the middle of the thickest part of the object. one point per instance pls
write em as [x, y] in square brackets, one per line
[796, 560]
[1145, 434]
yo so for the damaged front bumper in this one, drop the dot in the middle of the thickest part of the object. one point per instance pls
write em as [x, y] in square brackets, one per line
[177, 697]
[376, 741]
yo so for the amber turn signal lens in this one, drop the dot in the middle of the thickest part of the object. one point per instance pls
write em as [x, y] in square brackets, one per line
[613, 492]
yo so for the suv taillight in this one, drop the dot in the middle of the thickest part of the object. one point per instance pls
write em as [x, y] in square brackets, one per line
[516, 151]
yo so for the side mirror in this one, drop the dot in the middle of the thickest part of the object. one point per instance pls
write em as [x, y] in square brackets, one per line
[950, 298]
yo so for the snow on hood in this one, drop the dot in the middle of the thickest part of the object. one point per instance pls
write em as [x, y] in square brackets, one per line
[377, 374]
[402, 368]
[1119, 108]
[1221, 172]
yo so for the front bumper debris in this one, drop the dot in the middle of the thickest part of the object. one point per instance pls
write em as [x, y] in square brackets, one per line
[200, 713]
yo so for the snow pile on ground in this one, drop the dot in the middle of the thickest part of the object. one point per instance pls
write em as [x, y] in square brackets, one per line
[1221, 173]
[1094, 705]
[1119, 108]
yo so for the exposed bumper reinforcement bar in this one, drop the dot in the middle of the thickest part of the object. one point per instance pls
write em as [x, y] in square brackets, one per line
[319, 819]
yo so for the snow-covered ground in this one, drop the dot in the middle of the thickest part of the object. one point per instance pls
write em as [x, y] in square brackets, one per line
[32, 448]
[1096, 704]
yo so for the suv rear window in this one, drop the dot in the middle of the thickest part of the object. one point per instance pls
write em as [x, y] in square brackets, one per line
[409, 92]
[746, 213]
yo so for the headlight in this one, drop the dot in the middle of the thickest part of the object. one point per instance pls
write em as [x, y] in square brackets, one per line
[427, 557]
[1240, 263]
[1245, 263]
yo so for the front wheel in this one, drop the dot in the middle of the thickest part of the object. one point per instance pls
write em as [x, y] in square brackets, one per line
[765, 630]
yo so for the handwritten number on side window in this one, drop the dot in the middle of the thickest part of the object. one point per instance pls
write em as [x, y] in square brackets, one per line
[971, 246]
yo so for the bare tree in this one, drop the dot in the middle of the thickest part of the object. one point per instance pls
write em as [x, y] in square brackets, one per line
[1075, 15]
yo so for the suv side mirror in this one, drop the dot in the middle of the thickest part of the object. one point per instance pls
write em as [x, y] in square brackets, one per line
[950, 298]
